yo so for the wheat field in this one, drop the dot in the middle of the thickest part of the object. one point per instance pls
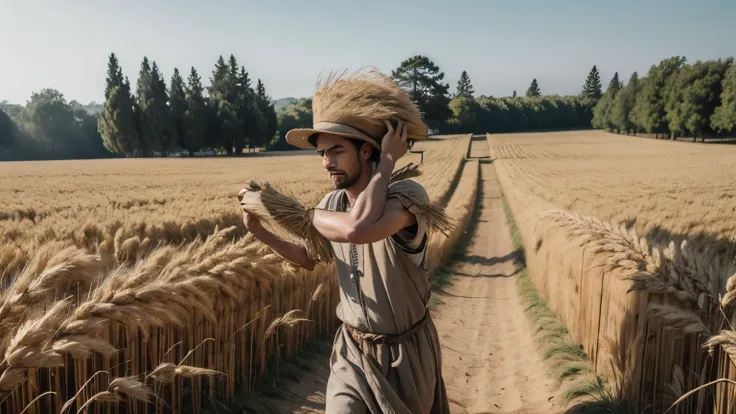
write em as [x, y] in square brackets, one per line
[131, 285]
[632, 242]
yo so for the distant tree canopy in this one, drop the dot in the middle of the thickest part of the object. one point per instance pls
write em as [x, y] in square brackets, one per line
[674, 99]
[513, 114]
[294, 115]
[234, 112]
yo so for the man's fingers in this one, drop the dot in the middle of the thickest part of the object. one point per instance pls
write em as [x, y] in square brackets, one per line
[389, 126]
[405, 132]
[399, 128]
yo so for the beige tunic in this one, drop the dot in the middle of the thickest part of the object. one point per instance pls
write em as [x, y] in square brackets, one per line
[387, 293]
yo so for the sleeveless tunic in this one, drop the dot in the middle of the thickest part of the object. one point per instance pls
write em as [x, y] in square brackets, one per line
[384, 289]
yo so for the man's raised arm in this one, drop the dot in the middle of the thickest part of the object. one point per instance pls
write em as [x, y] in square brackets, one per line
[372, 218]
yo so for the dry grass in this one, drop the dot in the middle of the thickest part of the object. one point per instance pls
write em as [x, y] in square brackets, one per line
[107, 267]
[632, 243]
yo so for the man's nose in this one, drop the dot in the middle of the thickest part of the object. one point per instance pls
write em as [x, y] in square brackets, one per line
[328, 162]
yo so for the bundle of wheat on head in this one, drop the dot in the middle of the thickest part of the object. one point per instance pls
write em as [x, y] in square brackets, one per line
[355, 106]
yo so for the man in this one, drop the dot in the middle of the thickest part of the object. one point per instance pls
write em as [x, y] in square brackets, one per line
[386, 356]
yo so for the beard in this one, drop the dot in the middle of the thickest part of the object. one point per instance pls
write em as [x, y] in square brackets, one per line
[345, 181]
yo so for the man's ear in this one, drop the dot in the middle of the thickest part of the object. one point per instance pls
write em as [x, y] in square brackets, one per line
[366, 150]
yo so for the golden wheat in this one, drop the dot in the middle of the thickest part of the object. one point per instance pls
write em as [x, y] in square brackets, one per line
[626, 242]
[154, 266]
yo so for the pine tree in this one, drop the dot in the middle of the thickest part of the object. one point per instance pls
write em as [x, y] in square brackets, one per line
[422, 80]
[464, 86]
[116, 123]
[178, 107]
[514, 94]
[164, 122]
[114, 75]
[533, 89]
[246, 108]
[194, 116]
[592, 87]
[233, 79]
[724, 116]
[144, 98]
[615, 84]
[218, 82]
[265, 116]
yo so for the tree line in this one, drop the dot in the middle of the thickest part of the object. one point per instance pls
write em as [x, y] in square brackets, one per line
[233, 115]
[674, 99]
[48, 127]
[228, 116]
[459, 112]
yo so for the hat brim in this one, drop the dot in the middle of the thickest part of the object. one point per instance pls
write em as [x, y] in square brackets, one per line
[299, 137]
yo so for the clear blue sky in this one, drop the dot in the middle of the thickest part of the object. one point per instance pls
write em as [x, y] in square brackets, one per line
[502, 44]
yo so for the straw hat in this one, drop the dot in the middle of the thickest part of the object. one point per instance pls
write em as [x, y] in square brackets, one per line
[356, 106]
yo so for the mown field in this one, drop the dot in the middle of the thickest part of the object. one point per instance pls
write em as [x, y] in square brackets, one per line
[632, 242]
[131, 284]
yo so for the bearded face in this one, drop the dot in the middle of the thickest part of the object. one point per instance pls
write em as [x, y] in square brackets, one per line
[341, 159]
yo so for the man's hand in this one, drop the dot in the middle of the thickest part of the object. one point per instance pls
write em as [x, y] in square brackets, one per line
[394, 144]
[252, 222]
[292, 252]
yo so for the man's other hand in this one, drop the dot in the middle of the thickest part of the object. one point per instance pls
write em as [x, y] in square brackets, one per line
[394, 144]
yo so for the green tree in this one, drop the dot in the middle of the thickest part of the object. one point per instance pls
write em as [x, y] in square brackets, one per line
[6, 129]
[269, 125]
[422, 80]
[116, 124]
[464, 86]
[219, 81]
[144, 100]
[114, 75]
[703, 96]
[533, 89]
[49, 120]
[248, 108]
[466, 114]
[592, 87]
[623, 105]
[649, 110]
[724, 116]
[615, 84]
[178, 107]
[195, 114]
[603, 110]
[230, 125]
[295, 115]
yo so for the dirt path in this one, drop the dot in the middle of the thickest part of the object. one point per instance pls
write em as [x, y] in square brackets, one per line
[490, 361]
